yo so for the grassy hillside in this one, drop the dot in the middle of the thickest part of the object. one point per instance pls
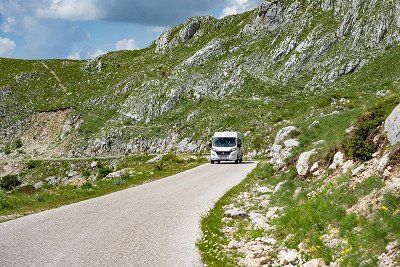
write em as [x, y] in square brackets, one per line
[267, 70]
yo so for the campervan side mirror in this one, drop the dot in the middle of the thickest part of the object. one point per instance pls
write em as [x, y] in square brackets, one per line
[239, 145]
[209, 145]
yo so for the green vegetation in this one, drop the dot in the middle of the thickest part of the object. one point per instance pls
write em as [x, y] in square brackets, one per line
[319, 208]
[27, 199]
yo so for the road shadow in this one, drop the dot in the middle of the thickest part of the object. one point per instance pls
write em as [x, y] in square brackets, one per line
[232, 162]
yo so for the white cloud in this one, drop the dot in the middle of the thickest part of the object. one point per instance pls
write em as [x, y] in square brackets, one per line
[70, 9]
[127, 44]
[8, 24]
[157, 29]
[74, 56]
[238, 6]
[95, 53]
[7, 47]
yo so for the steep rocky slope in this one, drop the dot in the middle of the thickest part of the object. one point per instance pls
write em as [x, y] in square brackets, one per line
[255, 72]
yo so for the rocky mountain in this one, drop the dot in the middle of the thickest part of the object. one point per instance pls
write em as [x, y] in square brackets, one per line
[286, 62]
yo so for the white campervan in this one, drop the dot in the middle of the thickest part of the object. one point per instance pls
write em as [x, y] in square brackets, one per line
[227, 146]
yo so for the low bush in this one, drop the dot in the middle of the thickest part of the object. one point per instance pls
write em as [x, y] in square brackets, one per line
[31, 164]
[9, 182]
[104, 171]
[359, 145]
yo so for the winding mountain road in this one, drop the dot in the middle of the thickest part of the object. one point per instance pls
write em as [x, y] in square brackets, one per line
[155, 224]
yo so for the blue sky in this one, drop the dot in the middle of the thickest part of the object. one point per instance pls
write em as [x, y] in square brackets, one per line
[80, 29]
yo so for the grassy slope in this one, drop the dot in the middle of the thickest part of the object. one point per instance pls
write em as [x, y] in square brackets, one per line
[27, 199]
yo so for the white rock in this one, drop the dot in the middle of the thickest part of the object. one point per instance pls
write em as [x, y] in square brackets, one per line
[38, 185]
[291, 143]
[155, 159]
[386, 174]
[283, 134]
[314, 263]
[117, 174]
[290, 256]
[302, 246]
[264, 203]
[264, 190]
[302, 165]
[94, 164]
[359, 170]
[314, 167]
[272, 212]
[392, 126]
[350, 129]
[297, 192]
[337, 161]
[347, 166]
[383, 163]
[278, 187]
[270, 241]
[233, 244]
[236, 213]
[315, 123]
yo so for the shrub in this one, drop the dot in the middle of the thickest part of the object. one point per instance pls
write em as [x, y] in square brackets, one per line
[104, 171]
[3, 200]
[9, 182]
[18, 143]
[359, 144]
[86, 173]
[31, 164]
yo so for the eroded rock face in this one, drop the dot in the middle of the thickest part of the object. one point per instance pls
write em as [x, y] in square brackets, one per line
[166, 42]
[392, 126]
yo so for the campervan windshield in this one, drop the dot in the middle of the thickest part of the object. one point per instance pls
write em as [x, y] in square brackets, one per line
[224, 142]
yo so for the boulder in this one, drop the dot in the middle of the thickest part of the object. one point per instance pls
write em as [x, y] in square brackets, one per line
[290, 256]
[190, 29]
[337, 161]
[38, 185]
[303, 163]
[359, 170]
[283, 134]
[392, 126]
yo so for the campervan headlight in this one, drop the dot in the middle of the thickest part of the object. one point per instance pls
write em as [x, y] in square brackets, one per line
[233, 149]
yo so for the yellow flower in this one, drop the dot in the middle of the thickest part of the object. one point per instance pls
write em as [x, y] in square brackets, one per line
[384, 208]
[346, 251]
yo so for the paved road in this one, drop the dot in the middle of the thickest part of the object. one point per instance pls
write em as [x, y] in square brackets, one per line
[156, 224]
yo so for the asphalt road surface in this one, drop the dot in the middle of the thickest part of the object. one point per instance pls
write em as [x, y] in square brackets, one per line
[155, 224]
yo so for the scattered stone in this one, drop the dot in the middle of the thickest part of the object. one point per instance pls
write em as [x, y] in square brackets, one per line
[291, 143]
[302, 165]
[233, 244]
[297, 192]
[350, 129]
[72, 174]
[264, 190]
[118, 174]
[264, 203]
[337, 161]
[314, 167]
[386, 174]
[272, 212]
[38, 185]
[383, 163]
[270, 241]
[314, 124]
[314, 263]
[155, 159]
[77, 181]
[359, 170]
[347, 165]
[290, 256]
[278, 187]
[94, 164]
[283, 134]
[236, 213]
[53, 180]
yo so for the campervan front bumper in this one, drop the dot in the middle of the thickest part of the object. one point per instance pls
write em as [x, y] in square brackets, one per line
[224, 156]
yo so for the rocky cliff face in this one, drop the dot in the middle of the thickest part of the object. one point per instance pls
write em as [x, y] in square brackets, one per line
[168, 96]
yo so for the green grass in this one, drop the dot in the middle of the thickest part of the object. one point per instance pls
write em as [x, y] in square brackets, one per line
[308, 218]
[29, 200]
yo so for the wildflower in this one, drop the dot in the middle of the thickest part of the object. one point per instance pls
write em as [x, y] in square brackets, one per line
[384, 208]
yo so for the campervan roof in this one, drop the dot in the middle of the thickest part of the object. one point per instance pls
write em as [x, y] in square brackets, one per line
[226, 134]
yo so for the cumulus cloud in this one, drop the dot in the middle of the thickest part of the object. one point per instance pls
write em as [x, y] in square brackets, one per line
[238, 6]
[126, 44]
[146, 12]
[70, 9]
[7, 47]
[86, 53]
